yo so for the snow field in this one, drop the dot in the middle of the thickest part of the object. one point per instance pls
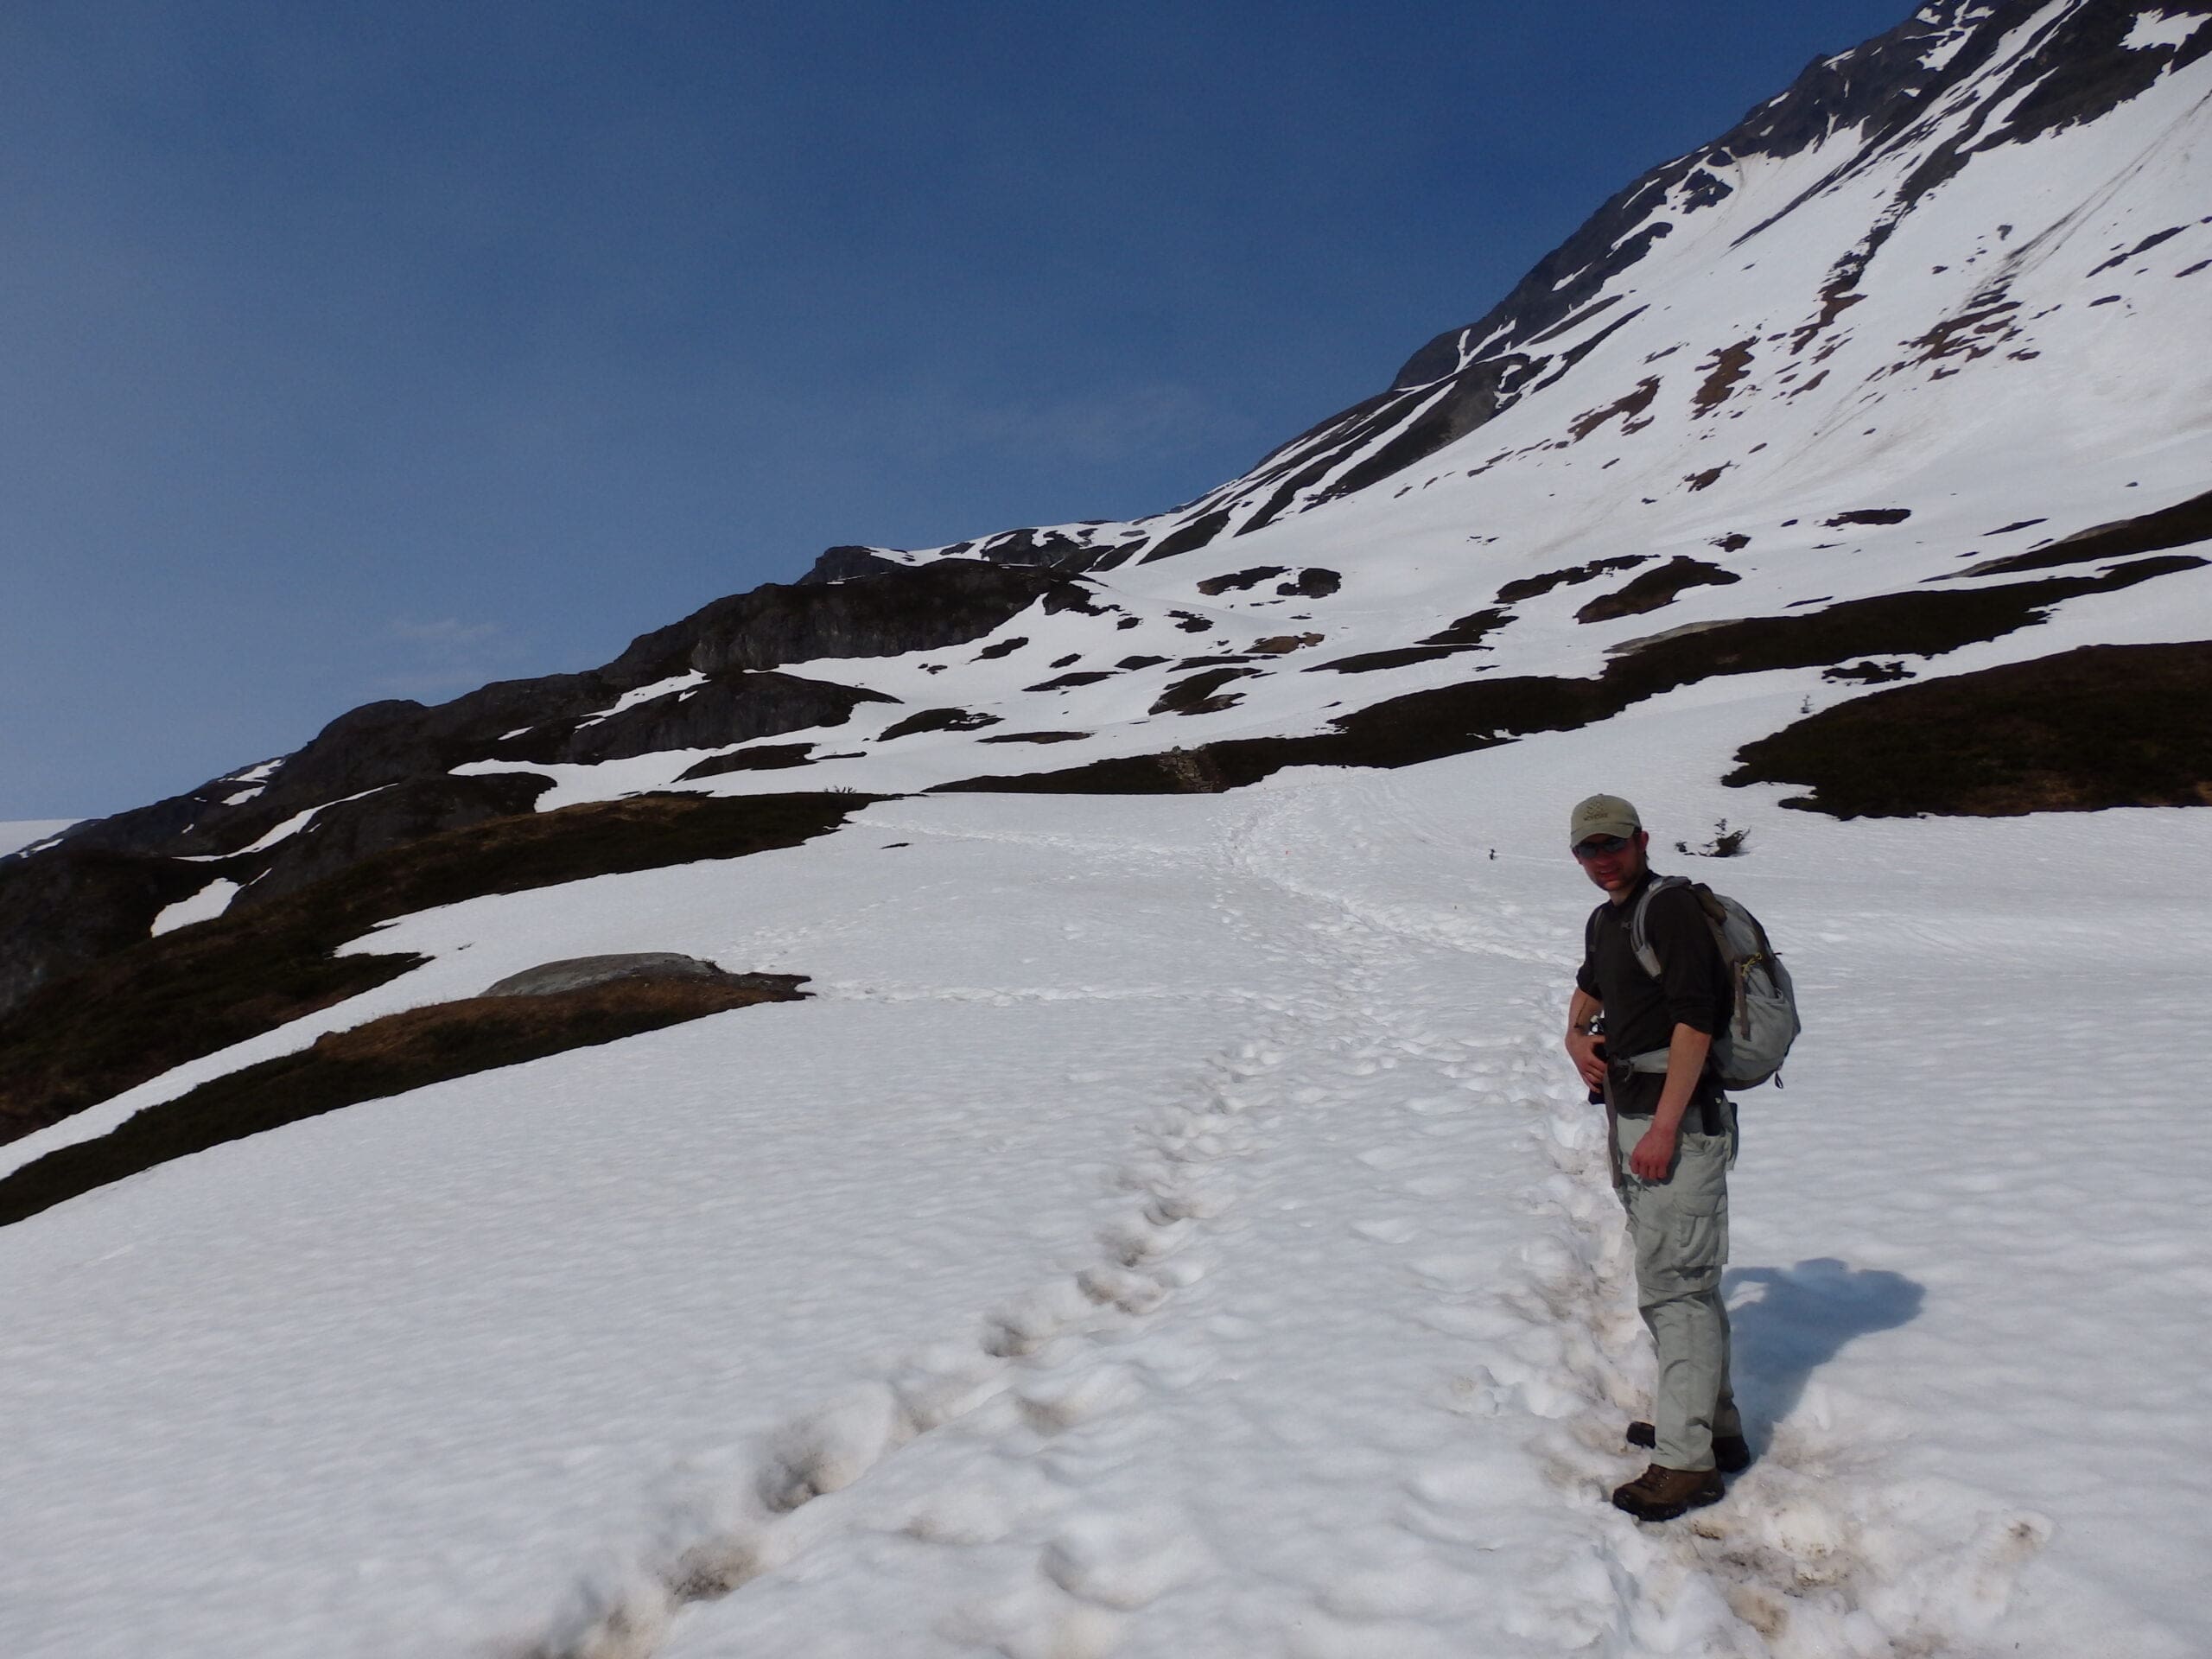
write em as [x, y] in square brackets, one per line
[1171, 1229]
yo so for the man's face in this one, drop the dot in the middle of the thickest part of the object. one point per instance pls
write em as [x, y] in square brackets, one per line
[1613, 863]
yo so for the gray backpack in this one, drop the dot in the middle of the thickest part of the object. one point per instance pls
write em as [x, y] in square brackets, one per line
[1764, 1022]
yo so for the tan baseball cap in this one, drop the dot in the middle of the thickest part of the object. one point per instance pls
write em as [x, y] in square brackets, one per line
[1601, 815]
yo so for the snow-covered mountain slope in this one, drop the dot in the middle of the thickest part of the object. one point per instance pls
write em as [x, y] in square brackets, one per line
[1172, 1230]
[1170, 1227]
[1941, 303]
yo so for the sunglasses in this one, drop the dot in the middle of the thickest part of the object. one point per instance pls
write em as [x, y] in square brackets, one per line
[1603, 847]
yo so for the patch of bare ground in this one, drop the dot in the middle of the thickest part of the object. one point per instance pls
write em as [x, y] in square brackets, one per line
[385, 1057]
[1984, 325]
[1237, 580]
[1369, 662]
[1465, 633]
[1471, 630]
[1201, 694]
[1655, 589]
[1536, 586]
[766, 756]
[1867, 673]
[2074, 733]
[133, 1015]
[1722, 370]
[1628, 406]
[1034, 737]
[935, 720]
[1313, 583]
[1473, 715]
[2179, 525]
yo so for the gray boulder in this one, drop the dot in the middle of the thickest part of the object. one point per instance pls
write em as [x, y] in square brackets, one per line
[577, 973]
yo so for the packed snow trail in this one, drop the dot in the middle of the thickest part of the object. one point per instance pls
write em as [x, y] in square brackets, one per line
[1171, 1229]
[1326, 1392]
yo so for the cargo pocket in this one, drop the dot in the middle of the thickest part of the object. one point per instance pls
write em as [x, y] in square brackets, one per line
[1698, 1233]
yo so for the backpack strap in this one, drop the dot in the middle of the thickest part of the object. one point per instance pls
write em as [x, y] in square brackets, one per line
[1638, 941]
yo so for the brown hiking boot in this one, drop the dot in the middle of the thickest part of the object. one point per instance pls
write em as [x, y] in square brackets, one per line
[1732, 1453]
[1660, 1494]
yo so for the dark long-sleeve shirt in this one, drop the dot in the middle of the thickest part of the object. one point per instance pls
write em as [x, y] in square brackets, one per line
[1641, 1012]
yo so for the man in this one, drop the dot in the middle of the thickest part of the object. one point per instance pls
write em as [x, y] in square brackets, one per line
[1672, 1136]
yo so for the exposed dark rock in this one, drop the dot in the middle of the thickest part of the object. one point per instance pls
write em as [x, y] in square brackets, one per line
[1237, 580]
[1071, 595]
[1139, 662]
[767, 757]
[556, 718]
[1868, 672]
[1051, 548]
[1369, 662]
[2078, 732]
[1722, 370]
[158, 1003]
[843, 563]
[1534, 587]
[1313, 583]
[64, 909]
[1004, 648]
[1281, 645]
[1477, 714]
[1471, 630]
[937, 720]
[1068, 681]
[1704, 189]
[1869, 516]
[730, 707]
[1195, 695]
[926, 607]
[1628, 406]
[1194, 535]
[2180, 525]
[382, 1058]
[1734, 541]
[348, 831]
[1190, 622]
[1655, 589]
[1034, 737]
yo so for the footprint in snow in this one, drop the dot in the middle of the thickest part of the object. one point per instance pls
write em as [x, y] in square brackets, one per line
[1435, 1186]
[1050, 1408]
[1388, 1230]
[1123, 1562]
[1453, 1272]
[1390, 1158]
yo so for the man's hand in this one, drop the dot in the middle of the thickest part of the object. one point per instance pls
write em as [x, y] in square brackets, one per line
[1582, 1049]
[1653, 1157]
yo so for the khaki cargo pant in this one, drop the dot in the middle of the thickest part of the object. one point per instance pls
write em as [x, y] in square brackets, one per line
[1679, 1227]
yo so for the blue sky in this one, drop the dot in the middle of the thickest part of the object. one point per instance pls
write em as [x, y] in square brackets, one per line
[360, 352]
